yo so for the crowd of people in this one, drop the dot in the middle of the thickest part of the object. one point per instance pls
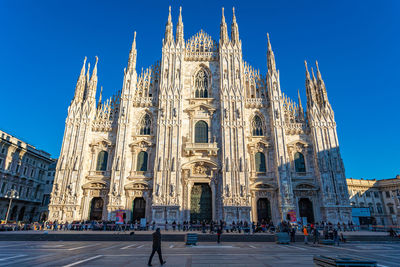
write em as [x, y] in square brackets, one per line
[316, 230]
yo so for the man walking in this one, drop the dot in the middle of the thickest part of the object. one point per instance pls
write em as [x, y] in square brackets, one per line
[219, 232]
[156, 247]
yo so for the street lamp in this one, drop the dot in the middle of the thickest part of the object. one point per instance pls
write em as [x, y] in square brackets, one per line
[11, 194]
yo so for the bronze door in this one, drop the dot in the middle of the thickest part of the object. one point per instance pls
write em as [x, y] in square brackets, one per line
[263, 210]
[96, 209]
[139, 209]
[201, 203]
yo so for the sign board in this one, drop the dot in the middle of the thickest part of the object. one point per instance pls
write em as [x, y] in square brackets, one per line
[304, 220]
[360, 212]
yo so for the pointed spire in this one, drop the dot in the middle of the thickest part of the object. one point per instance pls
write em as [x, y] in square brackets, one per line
[80, 84]
[321, 86]
[310, 87]
[169, 35]
[87, 73]
[307, 73]
[298, 95]
[270, 57]
[132, 54]
[94, 73]
[223, 34]
[179, 28]
[234, 28]
[100, 97]
[83, 68]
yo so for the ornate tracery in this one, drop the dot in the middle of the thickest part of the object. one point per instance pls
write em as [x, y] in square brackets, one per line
[257, 126]
[145, 125]
[201, 84]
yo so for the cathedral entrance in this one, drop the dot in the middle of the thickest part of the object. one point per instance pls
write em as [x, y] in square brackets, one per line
[96, 209]
[201, 203]
[306, 209]
[263, 210]
[139, 209]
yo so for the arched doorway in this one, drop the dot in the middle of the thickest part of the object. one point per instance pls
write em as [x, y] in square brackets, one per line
[21, 214]
[139, 209]
[263, 210]
[96, 209]
[306, 209]
[201, 203]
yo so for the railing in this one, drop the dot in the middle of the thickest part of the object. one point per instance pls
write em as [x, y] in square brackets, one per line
[256, 102]
[99, 173]
[211, 148]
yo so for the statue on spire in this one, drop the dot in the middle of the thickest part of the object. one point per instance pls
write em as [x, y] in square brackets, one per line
[224, 30]
[234, 29]
[132, 54]
[169, 35]
[270, 57]
[179, 28]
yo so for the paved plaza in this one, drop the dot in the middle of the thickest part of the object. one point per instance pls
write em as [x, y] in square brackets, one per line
[61, 253]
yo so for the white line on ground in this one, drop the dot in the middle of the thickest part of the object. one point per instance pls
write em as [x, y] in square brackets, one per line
[12, 257]
[380, 265]
[82, 261]
[281, 246]
[296, 247]
[129, 246]
[51, 246]
[213, 246]
[140, 246]
[252, 246]
[171, 246]
[81, 247]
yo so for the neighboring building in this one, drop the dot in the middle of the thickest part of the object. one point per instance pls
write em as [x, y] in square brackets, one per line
[200, 135]
[23, 168]
[382, 197]
[48, 187]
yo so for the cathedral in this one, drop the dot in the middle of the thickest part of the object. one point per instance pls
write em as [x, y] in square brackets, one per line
[200, 135]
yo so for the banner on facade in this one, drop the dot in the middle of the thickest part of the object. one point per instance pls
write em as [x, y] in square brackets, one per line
[119, 217]
[292, 214]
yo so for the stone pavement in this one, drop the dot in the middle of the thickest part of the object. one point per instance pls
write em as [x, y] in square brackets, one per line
[135, 254]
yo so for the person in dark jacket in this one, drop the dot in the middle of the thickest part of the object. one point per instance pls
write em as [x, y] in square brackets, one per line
[156, 247]
[219, 233]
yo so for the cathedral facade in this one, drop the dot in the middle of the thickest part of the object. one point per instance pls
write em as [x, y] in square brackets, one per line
[200, 135]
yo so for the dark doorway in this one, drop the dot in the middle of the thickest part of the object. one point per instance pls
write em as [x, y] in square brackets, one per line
[96, 209]
[139, 209]
[263, 210]
[306, 209]
[201, 203]
[13, 213]
[21, 214]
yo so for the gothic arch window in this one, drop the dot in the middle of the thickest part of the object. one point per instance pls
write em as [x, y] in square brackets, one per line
[260, 162]
[141, 165]
[201, 84]
[102, 158]
[257, 126]
[145, 125]
[201, 132]
[299, 162]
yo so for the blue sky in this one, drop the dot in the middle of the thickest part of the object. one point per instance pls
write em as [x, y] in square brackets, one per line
[355, 42]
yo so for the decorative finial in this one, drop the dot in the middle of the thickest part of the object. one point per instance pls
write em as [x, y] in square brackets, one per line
[318, 72]
[169, 15]
[233, 14]
[269, 42]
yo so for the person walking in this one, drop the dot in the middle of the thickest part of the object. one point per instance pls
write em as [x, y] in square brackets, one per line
[316, 235]
[293, 234]
[305, 232]
[336, 236]
[219, 232]
[156, 247]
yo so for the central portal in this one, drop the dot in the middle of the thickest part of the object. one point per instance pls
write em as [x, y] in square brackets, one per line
[201, 203]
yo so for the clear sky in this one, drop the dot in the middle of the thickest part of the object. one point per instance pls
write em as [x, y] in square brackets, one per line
[356, 43]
